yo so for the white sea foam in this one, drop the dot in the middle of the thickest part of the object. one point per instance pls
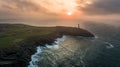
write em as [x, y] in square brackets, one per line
[109, 45]
[96, 37]
[35, 57]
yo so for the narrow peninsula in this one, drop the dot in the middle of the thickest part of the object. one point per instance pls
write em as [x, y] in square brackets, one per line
[18, 42]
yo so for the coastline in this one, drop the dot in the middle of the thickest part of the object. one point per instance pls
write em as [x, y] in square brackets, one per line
[19, 56]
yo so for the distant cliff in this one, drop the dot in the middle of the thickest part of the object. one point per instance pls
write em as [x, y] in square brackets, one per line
[18, 42]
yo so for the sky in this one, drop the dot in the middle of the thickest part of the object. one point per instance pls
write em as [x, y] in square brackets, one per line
[59, 12]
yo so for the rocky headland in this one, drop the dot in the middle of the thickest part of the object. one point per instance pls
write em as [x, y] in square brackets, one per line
[18, 42]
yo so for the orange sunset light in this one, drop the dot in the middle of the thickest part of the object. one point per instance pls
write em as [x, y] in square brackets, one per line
[69, 13]
[67, 8]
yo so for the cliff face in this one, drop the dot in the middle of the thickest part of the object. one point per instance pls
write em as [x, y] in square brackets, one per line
[18, 42]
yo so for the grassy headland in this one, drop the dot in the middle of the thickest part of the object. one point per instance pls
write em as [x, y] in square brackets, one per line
[18, 42]
[12, 34]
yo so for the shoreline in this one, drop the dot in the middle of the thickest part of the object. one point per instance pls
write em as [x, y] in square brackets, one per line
[21, 55]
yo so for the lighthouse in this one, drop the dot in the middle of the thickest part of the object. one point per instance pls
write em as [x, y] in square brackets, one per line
[78, 26]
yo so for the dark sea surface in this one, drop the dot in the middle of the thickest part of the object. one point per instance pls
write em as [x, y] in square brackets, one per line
[101, 51]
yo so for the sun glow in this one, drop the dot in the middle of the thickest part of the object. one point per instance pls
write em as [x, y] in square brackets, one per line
[69, 13]
[61, 6]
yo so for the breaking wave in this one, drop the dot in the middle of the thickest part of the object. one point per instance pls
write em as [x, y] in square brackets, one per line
[69, 51]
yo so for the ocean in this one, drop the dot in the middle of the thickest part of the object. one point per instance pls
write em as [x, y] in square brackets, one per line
[103, 50]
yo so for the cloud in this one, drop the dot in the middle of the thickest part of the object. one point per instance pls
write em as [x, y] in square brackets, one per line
[23, 5]
[100, 7]
[19, 8]
[42, 8]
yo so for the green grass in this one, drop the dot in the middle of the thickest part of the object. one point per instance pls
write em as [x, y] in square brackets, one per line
[12, 34]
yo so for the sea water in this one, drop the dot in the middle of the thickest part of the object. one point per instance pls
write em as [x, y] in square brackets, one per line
[103, 50]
